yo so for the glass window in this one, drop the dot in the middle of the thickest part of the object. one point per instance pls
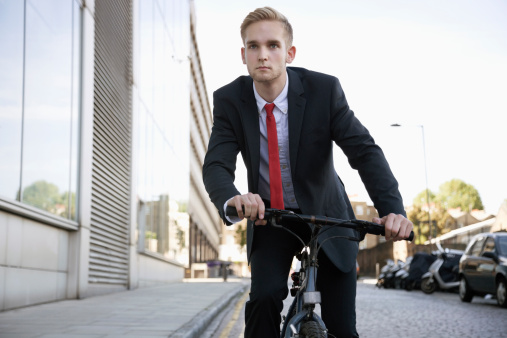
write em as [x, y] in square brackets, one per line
[163, 127]
[490, 245]
[477, 247]
[502, 245]
[38, 101]
[11, 96]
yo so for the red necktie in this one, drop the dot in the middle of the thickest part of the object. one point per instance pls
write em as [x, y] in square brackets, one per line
[275, 175]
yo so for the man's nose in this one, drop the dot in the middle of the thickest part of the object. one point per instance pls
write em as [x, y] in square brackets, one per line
[263, 54]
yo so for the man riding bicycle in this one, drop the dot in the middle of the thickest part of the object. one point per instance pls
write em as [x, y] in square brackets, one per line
[284, 121]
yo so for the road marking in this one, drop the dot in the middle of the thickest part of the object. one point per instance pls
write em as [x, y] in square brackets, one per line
[242, 334]
[237, 309]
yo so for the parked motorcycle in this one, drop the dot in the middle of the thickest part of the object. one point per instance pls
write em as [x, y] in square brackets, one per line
[383, 273]
[443, 272]
[387, 276]
[419, 265]
[401, 275]
[389, 282]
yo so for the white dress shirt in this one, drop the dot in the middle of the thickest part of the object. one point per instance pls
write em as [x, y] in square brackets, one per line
[282, 129]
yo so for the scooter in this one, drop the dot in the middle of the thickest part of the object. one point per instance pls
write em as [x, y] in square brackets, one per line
[419, 265]
[390, 279]
[443, 272]
[400, 278]
[381, 281]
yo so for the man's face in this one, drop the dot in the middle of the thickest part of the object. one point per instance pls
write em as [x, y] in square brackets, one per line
[266, 52]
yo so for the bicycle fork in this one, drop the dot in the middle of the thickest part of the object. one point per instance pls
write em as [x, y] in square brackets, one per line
[304, 302]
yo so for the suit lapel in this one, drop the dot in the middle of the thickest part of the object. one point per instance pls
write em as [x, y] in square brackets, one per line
[297, 104]
[250, 120]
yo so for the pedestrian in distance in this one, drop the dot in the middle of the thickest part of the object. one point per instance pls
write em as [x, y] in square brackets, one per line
[285, 122]
[224, 271]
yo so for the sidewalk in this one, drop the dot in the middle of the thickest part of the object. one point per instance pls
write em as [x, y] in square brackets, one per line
[183, 309]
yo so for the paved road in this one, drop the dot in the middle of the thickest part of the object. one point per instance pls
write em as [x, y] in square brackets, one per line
[398, 313]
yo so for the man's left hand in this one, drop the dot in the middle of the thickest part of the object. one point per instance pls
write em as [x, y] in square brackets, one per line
[397, 227]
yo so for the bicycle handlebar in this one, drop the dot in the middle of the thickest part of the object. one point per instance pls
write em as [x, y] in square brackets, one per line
[355, 224]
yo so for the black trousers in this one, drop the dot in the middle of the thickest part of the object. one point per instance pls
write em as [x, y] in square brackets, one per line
[271, 257]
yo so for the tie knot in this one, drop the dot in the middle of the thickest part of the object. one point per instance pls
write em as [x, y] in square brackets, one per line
[269, 108]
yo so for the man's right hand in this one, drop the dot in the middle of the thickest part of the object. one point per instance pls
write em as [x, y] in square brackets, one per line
[253, 206]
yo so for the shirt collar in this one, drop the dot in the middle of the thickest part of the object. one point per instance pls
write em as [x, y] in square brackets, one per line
[281, 101]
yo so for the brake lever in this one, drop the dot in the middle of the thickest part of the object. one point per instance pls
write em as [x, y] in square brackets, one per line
[275, 215]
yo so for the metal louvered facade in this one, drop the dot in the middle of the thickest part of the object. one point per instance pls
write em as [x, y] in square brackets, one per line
[112, 146]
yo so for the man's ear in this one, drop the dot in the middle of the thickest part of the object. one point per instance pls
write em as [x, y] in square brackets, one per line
[291, 54]
[243, 56]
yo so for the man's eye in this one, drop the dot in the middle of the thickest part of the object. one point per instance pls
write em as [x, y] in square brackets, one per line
[274, 46]
[252, 46]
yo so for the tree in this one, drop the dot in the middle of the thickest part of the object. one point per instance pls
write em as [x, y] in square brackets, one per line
[71, 214]
[420, 220]
[43, 195]
[458, 194]
[452, 194]
[46, 196]
[422, 199]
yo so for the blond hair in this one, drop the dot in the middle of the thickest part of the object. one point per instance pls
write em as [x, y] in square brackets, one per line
[267, 14]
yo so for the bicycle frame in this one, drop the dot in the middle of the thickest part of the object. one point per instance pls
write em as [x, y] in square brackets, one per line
[307, 297]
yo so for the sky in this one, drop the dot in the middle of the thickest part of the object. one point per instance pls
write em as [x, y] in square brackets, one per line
[436, 67]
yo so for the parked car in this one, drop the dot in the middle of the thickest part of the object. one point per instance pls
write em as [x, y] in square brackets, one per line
[483, 268]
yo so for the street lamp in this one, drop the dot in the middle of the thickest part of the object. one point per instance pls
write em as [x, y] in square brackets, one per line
[425, 174]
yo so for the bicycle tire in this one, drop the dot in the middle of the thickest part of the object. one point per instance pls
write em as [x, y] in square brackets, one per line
[312, 329]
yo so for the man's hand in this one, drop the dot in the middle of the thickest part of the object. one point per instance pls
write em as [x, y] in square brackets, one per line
[397, 227]
[253, 205]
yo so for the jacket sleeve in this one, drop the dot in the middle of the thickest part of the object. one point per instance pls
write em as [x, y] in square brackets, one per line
[220, 160]
[364, 155]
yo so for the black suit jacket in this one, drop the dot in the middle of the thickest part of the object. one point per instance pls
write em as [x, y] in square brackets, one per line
[318, 115]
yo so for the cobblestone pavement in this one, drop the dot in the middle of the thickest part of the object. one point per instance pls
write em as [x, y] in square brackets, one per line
[398, 313]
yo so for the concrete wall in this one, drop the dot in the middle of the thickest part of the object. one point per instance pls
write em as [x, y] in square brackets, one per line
[153, 271]
[33, 262]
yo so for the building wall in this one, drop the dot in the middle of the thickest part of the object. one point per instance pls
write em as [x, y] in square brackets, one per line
[76, 218]
[48, 85]
[153, 271]
[205, 222]
[501, 219]
[33, 262]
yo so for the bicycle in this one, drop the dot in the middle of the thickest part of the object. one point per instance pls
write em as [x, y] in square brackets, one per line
[301, 319]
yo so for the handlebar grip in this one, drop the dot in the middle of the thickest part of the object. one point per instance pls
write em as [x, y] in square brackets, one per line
[410, 237]
[377, 229]
[231, 211]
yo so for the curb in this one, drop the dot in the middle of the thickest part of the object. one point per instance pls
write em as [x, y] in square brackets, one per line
[195, 327]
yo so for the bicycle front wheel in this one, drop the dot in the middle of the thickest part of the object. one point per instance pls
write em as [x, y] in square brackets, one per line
[312, 329]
